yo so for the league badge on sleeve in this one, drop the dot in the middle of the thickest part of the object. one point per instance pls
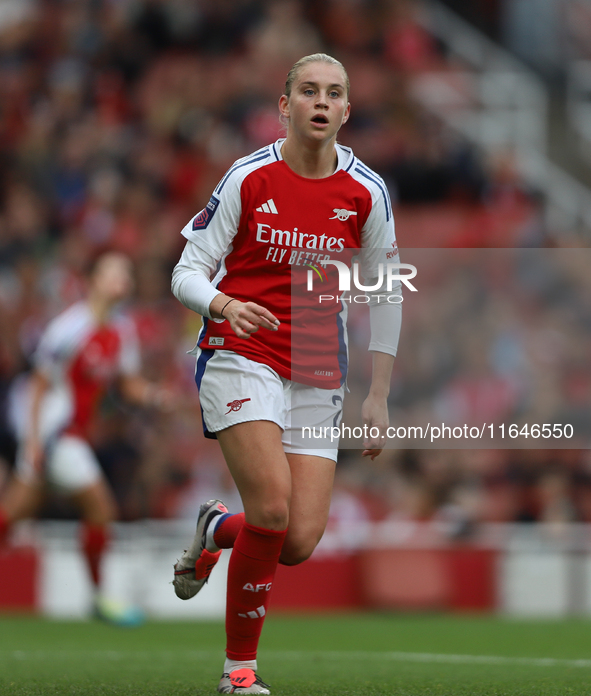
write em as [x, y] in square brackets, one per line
[204, 218]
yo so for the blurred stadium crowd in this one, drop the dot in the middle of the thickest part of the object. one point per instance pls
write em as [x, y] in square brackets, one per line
[117, 120]
[493, 336]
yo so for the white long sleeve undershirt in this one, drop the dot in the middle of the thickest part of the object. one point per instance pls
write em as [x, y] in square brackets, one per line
[191, 283]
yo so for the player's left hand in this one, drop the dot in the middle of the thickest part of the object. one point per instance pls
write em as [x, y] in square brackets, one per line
[374, 413]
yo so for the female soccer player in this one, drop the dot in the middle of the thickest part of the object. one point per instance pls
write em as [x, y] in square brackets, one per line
[81, 354]
[272, 356]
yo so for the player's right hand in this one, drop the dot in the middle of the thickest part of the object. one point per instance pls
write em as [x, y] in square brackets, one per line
[247, 317]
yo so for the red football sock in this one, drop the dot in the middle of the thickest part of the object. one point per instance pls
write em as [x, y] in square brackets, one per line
[4, 526]
[227, 530]
[250, 576]
[94, 540]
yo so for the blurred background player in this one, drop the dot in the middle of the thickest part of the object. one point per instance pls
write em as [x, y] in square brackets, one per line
[82, 353]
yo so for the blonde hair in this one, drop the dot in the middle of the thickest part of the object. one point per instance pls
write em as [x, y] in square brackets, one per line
[313, 58]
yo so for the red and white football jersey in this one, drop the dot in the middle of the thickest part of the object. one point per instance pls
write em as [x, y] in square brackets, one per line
[81, 358]
[270, 227]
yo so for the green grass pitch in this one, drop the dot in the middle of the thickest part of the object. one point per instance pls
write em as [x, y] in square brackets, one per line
[360, 655]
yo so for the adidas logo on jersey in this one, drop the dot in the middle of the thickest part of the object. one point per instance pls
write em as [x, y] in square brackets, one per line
[268, 207]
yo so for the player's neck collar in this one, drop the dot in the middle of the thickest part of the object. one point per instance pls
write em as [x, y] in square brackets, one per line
[344, 154]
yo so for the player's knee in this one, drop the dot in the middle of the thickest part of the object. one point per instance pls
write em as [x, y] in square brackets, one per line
[108, 512]
[272, 515]
[295, 552]
[99, 510]
[98, 517]
[292, 557]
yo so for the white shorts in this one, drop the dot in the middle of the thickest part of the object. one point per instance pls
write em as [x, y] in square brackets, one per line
[234, 389]
[70, 464]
